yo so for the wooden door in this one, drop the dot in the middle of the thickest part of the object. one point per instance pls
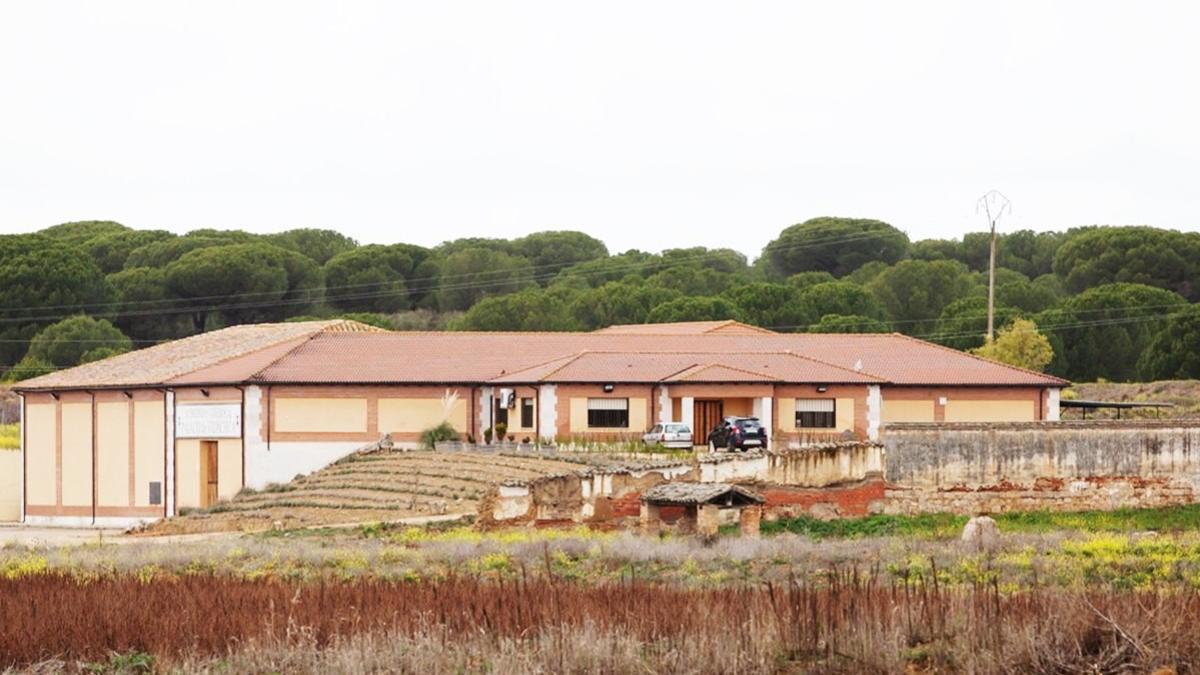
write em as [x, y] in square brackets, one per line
[208, 473]
[706, 415]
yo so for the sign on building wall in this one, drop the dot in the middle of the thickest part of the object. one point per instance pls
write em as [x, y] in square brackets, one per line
[208, 420]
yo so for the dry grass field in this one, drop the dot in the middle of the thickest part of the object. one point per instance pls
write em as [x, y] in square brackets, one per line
[1184, 395]
[369, 487]
[431, 600]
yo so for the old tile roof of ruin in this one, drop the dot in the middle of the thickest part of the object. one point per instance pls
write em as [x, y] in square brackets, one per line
[337, 353]
[171, 362]
[696, 493]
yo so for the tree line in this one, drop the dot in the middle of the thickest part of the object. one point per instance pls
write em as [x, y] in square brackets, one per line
[1113, 302]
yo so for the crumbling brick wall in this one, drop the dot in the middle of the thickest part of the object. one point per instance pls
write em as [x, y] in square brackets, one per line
[848, 500]
[1062, 466]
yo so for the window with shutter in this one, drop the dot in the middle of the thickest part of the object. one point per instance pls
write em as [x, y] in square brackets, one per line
[816, 413]
[608, 413]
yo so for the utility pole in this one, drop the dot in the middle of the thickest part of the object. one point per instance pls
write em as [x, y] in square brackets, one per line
[993, 205]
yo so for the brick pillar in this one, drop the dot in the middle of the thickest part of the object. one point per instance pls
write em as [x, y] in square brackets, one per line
[649, 519]
[749, 520]
[708, 521]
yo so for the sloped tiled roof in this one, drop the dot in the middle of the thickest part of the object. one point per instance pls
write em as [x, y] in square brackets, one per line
[685, 367]
[325, 352]
[173, 361]
[483, 357]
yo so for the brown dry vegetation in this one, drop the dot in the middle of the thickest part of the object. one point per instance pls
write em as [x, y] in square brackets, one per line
[1183, 394]
[845, 623]
[369, 487]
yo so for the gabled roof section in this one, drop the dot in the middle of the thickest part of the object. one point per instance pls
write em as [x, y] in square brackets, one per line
[165, 363]
[688, 366]
[716, 372]
[728, 327]
[688, 494]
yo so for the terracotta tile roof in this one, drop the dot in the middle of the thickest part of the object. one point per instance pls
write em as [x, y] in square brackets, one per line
[728, 327]
[684, 367]
[716, 372]
[483, 357]
[171, 361]
[324, 352]
[901, 359]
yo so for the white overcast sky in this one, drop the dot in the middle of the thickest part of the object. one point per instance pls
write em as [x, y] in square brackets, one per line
[647, 124]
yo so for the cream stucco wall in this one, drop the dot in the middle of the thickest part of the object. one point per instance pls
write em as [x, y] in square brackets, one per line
[187, 470]
[149, 437]
[333, 415]
[229, 467]
[10, 485]
[579, 414]
[187, 473]
[77, 454]
[579, 417]
[844, 414]
[419, 414]
[112, 454]
[907, 411]
[41, 483]
[786, 419]
[990, 411]
[514, 415]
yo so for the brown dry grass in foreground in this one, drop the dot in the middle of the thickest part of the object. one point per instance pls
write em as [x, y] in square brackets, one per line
[847, 623]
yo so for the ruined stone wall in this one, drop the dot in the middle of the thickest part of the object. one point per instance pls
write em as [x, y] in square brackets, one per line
[823, 465]
[832, 480]
[1063, 466]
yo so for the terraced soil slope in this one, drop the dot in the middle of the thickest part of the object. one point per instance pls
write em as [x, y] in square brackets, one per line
[369, 487]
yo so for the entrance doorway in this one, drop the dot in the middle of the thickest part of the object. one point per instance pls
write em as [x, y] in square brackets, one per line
[706, 414]
[208, 474]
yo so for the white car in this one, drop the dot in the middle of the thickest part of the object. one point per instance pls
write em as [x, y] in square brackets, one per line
[669, 435]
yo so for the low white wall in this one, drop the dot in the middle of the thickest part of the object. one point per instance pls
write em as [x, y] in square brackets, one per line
[103, 522]
[280, 462]
[284, 461]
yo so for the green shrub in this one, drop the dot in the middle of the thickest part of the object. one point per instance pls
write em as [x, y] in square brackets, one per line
[442, 432]
[501, 431]
[10, 436]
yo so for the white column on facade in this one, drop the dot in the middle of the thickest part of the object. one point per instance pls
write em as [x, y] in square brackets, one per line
[21, 430]
[169, 488]
[664, 405]
[687, 412]
[485, 410]
[874, 411]
[547, 413]
[1053, 396]
[254, 446]
[766, 413]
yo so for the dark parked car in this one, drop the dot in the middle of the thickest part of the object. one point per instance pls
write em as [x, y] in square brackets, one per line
[738, 433]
